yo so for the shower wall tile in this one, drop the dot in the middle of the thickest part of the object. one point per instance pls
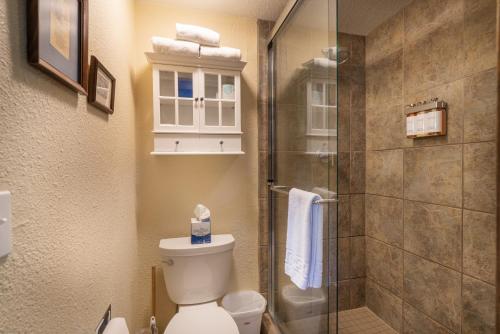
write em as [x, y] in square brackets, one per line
[415, 322]
[344, 173]
[358, 258]
[424, 70]
[433, 289]
[263, 221]
[263, 268]
[478, 307]
[384, 81]
[480, 105]
[343, 265]
[385, 127]
[343, 116]
[480, 176]
[344, 216]
[385, 40]
[434, 232]
[358, 292]
[384, 219]
[423, 17]
[434, 175]
[479, 245]
[384, 264]
[384, 172]
[384, 304]
[357, 129]
[357, 57]
[358, 164]
[453, 94]
[480, 35]
[344, 295]
[357, 214]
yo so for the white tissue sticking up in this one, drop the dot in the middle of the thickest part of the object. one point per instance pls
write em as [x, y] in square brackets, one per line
[117, 326]
[201, 212]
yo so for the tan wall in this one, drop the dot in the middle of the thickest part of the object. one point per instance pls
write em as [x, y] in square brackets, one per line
[170, 187]
[71, 171]
[431, 203]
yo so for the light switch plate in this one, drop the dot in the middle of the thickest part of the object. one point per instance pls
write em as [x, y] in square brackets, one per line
[5, 224]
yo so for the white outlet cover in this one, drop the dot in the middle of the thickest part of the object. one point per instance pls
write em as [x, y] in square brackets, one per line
[5, 224]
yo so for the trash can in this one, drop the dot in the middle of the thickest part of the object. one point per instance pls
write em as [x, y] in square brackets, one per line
[246, 308]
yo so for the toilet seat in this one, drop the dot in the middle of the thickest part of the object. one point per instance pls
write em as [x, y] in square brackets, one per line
[205, 318]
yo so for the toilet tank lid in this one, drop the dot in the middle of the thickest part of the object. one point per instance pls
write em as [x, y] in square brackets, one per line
[183, 247]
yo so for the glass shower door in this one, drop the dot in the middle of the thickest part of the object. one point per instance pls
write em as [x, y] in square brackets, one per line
[303, 146]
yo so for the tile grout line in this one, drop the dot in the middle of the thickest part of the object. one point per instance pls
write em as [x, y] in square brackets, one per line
[430, 260]
[436, 204]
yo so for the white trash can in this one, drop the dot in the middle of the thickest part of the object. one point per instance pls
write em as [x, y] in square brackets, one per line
[246, 308]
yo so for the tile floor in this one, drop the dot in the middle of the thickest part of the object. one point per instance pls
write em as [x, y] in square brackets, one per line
[362, 321]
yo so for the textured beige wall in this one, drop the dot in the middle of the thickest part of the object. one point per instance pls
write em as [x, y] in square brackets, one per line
[170, 187]
[71, 171]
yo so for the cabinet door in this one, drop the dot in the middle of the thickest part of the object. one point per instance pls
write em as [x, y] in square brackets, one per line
[174, 92]
[220, 103]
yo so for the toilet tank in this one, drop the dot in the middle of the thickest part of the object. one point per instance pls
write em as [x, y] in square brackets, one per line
[196, 273]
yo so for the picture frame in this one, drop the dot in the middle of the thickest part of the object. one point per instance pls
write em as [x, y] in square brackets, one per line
[58, 40]
[102, 86]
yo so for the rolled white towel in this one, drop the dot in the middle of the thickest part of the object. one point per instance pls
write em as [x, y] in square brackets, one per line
[171, 46]
[221, 53]
[201, 35]
[325, 62]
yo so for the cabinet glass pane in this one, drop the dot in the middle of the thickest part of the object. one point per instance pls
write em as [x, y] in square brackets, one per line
[185, 84]
[228, 114]
[167, 112]
[167, 84]
[211, 86]
[185, 112]
[332, 94]
[211, 113]
[317, 93]
[227, 84]
[318, 118]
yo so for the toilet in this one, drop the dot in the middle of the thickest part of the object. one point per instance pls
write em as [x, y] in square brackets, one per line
[196, 276]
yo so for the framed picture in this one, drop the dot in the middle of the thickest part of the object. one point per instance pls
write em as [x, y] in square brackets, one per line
[58, 40]
[101, 87]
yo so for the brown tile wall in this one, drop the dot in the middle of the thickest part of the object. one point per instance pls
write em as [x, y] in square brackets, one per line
[263, 29]
[351, 175]
[431, 203]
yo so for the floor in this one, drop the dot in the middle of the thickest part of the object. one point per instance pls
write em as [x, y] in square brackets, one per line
[362, 321]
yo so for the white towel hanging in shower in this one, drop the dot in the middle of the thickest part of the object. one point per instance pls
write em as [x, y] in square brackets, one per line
[304, 240]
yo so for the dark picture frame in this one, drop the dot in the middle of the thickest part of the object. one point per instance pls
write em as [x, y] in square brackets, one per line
[101, 79]
[58, 40]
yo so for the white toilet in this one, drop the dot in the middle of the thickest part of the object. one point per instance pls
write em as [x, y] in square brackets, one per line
[196, 276]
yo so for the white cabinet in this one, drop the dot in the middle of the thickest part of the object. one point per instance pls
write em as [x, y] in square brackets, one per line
[196, 106]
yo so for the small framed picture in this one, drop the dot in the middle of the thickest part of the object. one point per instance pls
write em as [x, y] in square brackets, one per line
[101, 87]
[58, 40]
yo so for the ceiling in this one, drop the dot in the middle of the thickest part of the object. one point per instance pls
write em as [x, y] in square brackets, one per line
[360, 17]
[261, 9]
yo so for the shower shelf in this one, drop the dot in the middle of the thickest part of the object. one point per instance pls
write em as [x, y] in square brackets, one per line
[286, 189]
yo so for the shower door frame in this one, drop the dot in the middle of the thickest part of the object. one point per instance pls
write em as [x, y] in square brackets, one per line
[288, 11]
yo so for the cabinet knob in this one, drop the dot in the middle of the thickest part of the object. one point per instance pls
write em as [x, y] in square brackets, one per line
[177, 142]
[201, 99]
[196, 99]
[221, 142]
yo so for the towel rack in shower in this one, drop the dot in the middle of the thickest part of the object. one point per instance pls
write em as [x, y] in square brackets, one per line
[285, 190]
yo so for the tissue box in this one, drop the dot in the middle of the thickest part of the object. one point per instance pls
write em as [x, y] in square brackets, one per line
[200, 231]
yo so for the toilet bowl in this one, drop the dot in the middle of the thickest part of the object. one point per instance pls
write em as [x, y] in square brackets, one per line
[195, 277]
[205, 318]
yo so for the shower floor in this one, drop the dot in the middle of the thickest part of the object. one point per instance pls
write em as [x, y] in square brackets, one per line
[362, 321]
